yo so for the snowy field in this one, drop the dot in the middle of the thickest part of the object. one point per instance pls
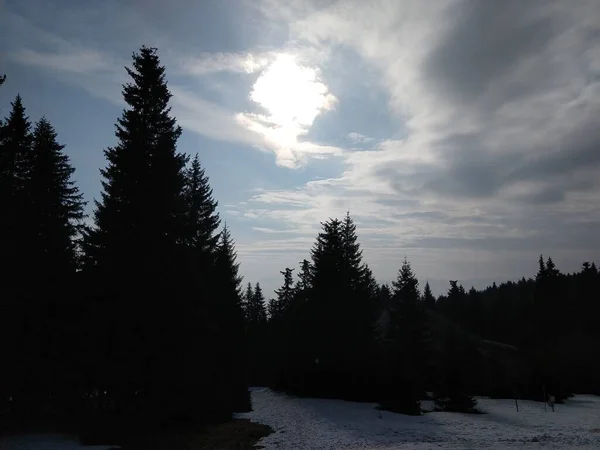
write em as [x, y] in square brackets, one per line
[301, 423]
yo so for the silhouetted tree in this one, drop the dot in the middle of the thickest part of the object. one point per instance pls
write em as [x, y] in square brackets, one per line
[452, 388]
[428, 298]
[256, 313]
[232, 364]
[56, 214]
[285, 295]
[407, 347]
[18, 324]
[158, 266]
[247, 298]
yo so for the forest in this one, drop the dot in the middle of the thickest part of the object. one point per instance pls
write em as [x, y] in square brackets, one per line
[141, 316]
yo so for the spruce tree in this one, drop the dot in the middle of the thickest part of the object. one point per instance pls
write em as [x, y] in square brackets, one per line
[141, 214]
[256, 313]
[305, 275]
[18, 326]
[57, 207]
[134, 253]
[15, 202]
[407, 347]
[232, 364]
[56, 214]
[285, 294]
[428, 298]
[351, 254]
[201, 213]
[247, 298]
[452, 390]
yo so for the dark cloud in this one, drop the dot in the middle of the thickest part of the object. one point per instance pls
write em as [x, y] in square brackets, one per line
[488, 40]
[577, 151]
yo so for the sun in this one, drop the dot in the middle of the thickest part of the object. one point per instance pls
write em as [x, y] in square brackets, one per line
[292, 95]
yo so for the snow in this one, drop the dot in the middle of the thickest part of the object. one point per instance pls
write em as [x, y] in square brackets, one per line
[307, 423]
[46, 442]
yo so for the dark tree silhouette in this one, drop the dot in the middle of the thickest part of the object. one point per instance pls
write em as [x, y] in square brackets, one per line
[256, 313]
[428, 297]
[407, 347]
[285, 295]
[19, 334]
[56, 214]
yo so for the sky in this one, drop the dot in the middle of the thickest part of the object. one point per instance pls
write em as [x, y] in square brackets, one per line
[460, 134]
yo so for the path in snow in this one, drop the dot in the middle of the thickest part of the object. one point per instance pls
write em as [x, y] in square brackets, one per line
[305, 423]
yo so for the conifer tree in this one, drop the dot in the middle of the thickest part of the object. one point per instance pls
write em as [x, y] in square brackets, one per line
[256, 314]
[134, 252]
[57, 206]
[247, 298]
[15, 172]
[428, 298]
[230, 316]
[351, 254]
[407, 348]
[285, 294]
[303, 286]
[201, 212]
[56, 214]
[452, 390]
[18, 328]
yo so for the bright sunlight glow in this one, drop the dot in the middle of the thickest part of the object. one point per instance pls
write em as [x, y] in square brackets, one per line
[292, 95]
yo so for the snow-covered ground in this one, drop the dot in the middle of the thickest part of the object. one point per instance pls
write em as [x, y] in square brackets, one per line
[45, 442]
[304, 423]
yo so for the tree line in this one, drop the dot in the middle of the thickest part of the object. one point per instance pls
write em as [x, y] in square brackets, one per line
[138, 315]
[135, 315]
[333, 331]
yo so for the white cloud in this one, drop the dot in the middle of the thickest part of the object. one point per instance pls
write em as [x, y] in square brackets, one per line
[208, 63]
[358, 138]
[483, 148]
[79, 61]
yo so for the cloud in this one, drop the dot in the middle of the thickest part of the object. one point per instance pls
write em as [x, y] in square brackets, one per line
[495, 107]
[79, 61]
[286, 97]
[209, 63]
[358, 138]
[498, 103]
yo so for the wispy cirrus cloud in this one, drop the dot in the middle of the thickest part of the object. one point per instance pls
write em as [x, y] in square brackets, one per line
[210, 63]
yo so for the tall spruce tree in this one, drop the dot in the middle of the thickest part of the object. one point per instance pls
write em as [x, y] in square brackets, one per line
[231, 338]
[19, 330]
[339, 311]
[351, 254]
[15, 172]
[202, 217]
[56, 214]
[133, 253]
[407, 346]
[57, 207]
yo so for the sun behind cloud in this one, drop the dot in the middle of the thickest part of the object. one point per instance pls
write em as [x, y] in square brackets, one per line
[292, 96]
